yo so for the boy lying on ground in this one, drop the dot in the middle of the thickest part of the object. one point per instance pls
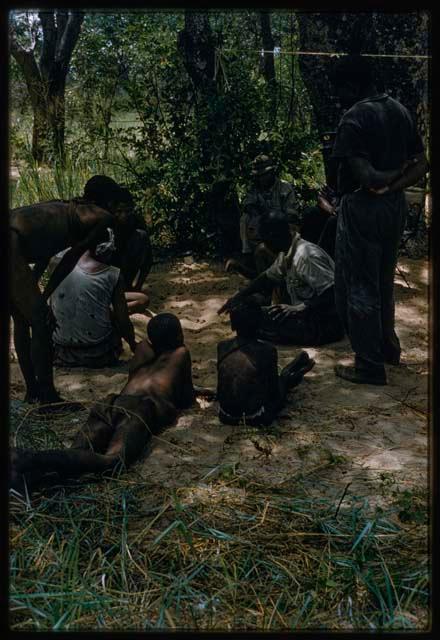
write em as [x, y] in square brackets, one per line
[249, 388]
[120, 427]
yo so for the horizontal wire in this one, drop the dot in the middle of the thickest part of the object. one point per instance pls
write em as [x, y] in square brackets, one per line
[328, 53]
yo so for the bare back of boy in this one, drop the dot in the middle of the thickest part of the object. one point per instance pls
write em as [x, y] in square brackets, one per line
[247, 379]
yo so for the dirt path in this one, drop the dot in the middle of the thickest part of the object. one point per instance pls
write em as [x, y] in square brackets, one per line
[331, 433]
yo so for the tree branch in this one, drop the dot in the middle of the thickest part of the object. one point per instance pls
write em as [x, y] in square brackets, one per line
[62, 17]
[47, 19]
[69, 39]
[26, 61]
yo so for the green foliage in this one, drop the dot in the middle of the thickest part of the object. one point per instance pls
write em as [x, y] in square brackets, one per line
[133, 111]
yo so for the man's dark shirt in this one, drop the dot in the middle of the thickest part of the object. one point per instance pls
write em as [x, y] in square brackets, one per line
[379, 129]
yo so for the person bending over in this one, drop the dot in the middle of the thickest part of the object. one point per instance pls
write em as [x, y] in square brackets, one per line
[133, 254]
[306, 274]
[38, 232]
[91, 311]
[120, 427]
[249, 389]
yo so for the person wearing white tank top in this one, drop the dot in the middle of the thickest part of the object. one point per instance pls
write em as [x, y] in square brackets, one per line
[91, 312]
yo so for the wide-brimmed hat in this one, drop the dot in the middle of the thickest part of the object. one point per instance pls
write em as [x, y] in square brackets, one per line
[262, 164]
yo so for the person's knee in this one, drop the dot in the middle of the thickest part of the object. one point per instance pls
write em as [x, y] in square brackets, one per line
[142, 301]
[137, 302]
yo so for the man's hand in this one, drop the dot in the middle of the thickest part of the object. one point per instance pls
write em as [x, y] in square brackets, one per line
[231, 303]
[380, 191]
[281, 311]
[325, 205]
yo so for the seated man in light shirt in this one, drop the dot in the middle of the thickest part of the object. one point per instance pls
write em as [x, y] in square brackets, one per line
[307, 315]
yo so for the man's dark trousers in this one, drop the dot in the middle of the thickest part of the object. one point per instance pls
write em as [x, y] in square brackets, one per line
[367, 241]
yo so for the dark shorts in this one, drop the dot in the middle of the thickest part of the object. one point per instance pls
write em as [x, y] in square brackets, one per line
[306, 328]
[104, 354]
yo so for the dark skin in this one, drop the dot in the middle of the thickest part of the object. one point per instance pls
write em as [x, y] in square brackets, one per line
[124, 258]
[262, 284]
[41, 231]
[159, 386]
[248, 378]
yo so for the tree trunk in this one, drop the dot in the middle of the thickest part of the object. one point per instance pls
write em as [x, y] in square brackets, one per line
[268, 59]
[333, 33]
[197, 44]
[382, 33]
[46, 80]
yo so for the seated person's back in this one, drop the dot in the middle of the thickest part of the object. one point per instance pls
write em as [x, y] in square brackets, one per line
[89, 330]
[249, 388]
[247, 369]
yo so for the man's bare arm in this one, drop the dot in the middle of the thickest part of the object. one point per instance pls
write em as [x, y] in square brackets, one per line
[367, 176]
[143, 355]
[414, 171]
[188, 393]
[71, 257]
[261, 284]
[120, 314]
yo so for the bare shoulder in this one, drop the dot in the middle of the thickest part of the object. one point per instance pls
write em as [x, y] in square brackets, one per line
[182, 354]
[91, 213]
[144, 350]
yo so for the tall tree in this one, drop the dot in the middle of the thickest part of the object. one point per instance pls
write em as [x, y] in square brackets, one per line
[46, 77]
[366, 33]
[374, 33]
[268, 46]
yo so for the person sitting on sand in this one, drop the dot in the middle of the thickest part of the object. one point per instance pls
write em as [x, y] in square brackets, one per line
[91, 311]
[268, 193]
[36, 233]
[249, 389]
[305, 273]
[120, 427]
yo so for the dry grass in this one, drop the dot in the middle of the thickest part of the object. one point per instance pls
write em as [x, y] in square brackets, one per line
[228, 553]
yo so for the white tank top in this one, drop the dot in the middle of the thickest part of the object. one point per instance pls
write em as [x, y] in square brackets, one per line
[81, 305]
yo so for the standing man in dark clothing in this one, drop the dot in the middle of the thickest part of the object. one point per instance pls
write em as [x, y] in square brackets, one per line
[379, 154]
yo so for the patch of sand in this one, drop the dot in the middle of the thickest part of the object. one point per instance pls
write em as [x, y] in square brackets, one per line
[330, 433]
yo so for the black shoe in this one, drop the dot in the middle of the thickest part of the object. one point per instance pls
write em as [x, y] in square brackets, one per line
[360, 376]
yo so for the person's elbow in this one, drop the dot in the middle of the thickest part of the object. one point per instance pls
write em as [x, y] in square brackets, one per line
[365, 177]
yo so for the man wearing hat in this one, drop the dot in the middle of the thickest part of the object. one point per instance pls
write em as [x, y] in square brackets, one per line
[269, 194]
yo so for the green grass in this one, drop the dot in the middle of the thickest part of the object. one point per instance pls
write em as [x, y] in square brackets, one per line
[64, 181]
[124, 552]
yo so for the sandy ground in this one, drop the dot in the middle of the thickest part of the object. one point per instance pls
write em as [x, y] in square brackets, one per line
[331, 432]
